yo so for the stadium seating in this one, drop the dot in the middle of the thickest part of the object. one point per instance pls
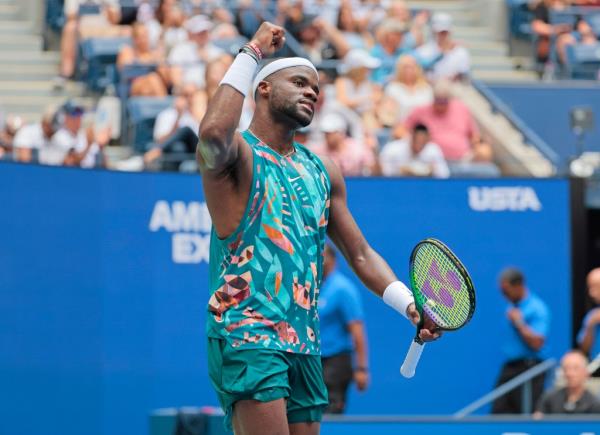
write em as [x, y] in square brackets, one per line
[141, 115]
[583, 61]
[98, 59]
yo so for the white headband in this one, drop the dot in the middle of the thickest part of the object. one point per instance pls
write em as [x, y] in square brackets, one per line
[278, 65]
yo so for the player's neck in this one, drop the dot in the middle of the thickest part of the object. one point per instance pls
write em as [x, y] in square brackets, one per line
[274, 135]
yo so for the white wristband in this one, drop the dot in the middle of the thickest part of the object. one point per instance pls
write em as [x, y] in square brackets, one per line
[240, 73]
[398, 296]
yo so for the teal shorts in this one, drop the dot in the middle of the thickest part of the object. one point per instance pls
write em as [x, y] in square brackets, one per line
[266, 375]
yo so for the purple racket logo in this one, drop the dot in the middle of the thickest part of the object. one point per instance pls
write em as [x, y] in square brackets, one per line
[447, 282]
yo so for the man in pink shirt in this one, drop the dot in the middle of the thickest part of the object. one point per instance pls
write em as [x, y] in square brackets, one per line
[353, 158]
[451, 126]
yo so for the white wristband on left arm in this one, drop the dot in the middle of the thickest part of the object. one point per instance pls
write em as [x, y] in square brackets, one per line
[398, 296]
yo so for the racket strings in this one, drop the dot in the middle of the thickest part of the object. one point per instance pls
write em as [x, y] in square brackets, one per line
[443, 288]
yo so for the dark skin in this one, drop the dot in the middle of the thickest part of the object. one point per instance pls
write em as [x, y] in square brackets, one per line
[514, 293]
[284, 103]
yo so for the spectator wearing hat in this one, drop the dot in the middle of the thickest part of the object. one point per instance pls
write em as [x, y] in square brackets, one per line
[414, 156]
[32, 138]
[389, 47]
[188, 59]
[353, 88]
[70, 145]
[353, 158]
[451, 125]
[442, 57]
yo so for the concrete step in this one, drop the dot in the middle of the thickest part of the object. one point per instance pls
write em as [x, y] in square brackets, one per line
[38, 88]
[9, 11]
[15, 27]
[505, 76]
[29, 57]
[37, 104]
[17, 71]
[22, 43]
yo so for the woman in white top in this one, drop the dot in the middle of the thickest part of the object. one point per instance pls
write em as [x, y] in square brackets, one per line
[409, 88]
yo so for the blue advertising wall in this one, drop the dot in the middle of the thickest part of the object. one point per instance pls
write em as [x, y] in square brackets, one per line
[103, 287]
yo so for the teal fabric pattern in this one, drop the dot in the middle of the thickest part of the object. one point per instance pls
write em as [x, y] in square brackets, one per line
[265, 277]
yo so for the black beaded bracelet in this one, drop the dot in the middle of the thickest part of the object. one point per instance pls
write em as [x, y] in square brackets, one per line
[250, 52]
[361, 369]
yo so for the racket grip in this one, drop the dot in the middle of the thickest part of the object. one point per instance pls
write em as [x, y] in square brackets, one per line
[412, 359]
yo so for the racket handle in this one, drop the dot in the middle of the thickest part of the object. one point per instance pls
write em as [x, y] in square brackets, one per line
[412, 359]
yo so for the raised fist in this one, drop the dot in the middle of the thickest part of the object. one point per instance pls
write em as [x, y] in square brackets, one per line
[269, 38]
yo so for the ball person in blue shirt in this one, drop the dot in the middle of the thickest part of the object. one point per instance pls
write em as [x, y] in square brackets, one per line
[528, 321]
[342, 334]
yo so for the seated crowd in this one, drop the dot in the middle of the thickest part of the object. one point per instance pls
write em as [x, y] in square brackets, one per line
[386, 105]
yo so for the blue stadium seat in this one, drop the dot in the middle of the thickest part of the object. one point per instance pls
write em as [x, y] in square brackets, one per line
[141, 115]
[126, 76]
[583, 61]
[98, 59]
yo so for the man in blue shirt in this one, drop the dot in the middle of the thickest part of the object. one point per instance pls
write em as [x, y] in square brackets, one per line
[587, 338]
[528, 325]
[342, 334]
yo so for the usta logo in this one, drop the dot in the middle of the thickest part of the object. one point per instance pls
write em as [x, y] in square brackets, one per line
[518, 198]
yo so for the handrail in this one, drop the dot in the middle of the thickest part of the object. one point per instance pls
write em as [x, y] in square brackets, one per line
[506, 387]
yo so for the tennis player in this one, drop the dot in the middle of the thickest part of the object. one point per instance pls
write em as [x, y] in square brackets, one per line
[272, 203]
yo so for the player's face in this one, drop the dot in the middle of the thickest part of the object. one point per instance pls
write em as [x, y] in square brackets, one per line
[512, 292]
[294, 95]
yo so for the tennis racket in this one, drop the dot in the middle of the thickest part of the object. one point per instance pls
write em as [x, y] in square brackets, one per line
[443, 291]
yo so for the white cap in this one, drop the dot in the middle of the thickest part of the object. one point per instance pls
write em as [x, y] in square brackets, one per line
[197, 24]
[441, 22]
[358, 58]
[333, 122]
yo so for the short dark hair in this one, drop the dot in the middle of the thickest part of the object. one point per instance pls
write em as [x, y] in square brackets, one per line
[420, 128]
[513, 276]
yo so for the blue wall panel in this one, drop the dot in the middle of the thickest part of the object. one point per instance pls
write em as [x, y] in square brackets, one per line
[99, 325]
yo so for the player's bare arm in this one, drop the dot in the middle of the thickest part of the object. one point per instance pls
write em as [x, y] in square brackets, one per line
[369, 266]
[225, 160]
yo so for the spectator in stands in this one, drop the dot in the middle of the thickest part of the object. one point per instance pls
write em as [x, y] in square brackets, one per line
[451, 125]
[582, 34]
[354, 89]
[544, 30]
[140, 52]
[444, 58]
[408, 88]
[574, 397]
[356, 35]
[155, 83]
[175, 131]
[73, 29]
[34, 137]
[321, 40]
[173, 32]
[389, 47]
[71, 144]
[398, 10]
[342, 334]
[353, 158]
[189, 58]
[12, 124]
[414, 156]
[588, 337]
[528, 326]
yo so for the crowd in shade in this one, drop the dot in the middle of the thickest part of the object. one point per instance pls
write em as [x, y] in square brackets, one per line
[387, 104]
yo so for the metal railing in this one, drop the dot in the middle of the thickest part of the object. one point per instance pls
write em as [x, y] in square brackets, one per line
[524, 379]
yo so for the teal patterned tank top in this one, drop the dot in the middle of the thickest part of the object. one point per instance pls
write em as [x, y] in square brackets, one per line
[265, 277]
